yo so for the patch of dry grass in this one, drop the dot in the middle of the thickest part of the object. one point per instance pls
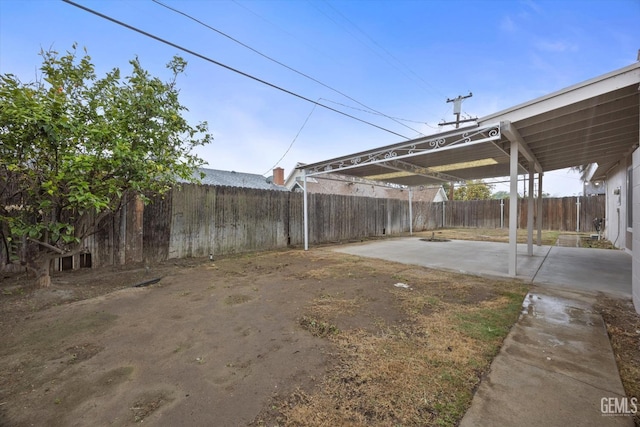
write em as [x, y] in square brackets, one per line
[350, 266]
[623, 326]
[236, 299]
[549, 237]
[421, 371]
[327, 305]
[587, 242]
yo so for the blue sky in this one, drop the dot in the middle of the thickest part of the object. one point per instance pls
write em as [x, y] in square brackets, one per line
[400, 58]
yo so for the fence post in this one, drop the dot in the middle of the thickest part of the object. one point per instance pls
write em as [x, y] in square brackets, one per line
[305, 208]
[444, 204]
[501, 213]
[578, 214]
[410, 214]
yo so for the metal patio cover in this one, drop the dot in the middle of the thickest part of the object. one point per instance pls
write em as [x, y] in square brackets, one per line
[595, 121]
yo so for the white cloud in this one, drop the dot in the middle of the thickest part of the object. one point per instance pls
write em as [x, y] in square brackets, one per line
[556, 46]
[533, 6]
[507, 25]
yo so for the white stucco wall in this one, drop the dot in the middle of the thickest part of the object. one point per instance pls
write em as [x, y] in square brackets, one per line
[615, 225]
[635, 268]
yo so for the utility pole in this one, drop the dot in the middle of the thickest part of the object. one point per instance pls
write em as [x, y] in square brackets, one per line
[457, 107]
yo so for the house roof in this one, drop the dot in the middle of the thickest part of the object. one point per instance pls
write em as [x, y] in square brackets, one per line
[236, 179]
[595, 121]
[349, 186]
[334, 183]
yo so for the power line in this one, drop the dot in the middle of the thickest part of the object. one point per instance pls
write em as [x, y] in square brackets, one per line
[220, 64]
[279, 62]
[412, 74]
[432, 88]
[387, 52]
[373, 112]
[294, 140]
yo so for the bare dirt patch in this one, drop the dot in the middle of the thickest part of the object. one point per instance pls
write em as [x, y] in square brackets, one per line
[279, 338]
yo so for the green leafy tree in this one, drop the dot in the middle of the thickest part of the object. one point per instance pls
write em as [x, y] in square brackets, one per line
[75, 148]
[500, 195]
[584, 170]
[473, 190]
[505, 195]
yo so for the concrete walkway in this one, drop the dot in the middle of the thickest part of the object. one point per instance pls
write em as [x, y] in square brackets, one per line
[554, 369]
[556, 366]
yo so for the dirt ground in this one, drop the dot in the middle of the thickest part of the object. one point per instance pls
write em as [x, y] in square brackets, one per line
[277, 338]
[623, 326]
[207, 345]
[228, 343]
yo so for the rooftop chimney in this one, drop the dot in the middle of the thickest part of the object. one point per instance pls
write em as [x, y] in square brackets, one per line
[278, 176]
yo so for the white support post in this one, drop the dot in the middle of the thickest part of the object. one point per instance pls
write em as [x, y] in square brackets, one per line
[444, 206]
[305, 208]
[578, 214]
[513, 210]
[410, 213]
[501, 213]
[530, 211]
[540, 200]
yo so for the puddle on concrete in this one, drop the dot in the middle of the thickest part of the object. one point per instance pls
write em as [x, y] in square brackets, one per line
[555, 310]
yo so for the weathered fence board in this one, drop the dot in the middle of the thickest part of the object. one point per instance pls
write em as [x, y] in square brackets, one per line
[198, 220]
[223, 220]
[157, 228]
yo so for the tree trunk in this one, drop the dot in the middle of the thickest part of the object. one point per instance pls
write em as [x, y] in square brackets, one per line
[40, 268]
[43, 278]
[37, 258]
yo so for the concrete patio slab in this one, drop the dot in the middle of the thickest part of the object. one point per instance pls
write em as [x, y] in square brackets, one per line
[589, 270]
[463, 256]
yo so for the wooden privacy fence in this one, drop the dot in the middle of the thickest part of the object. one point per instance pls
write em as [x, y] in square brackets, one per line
[198, 220]
[563, 214]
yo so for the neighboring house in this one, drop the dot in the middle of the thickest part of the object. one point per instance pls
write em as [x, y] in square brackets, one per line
[237, 179]
[595, 188]
[352, 186]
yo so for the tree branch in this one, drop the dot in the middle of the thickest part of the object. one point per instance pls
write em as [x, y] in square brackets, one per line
[46, 245]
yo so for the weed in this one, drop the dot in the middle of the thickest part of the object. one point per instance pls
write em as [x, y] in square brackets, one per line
[147, 404]
[236, 299]
[491, 323]
[400, 278]
[318, 328]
